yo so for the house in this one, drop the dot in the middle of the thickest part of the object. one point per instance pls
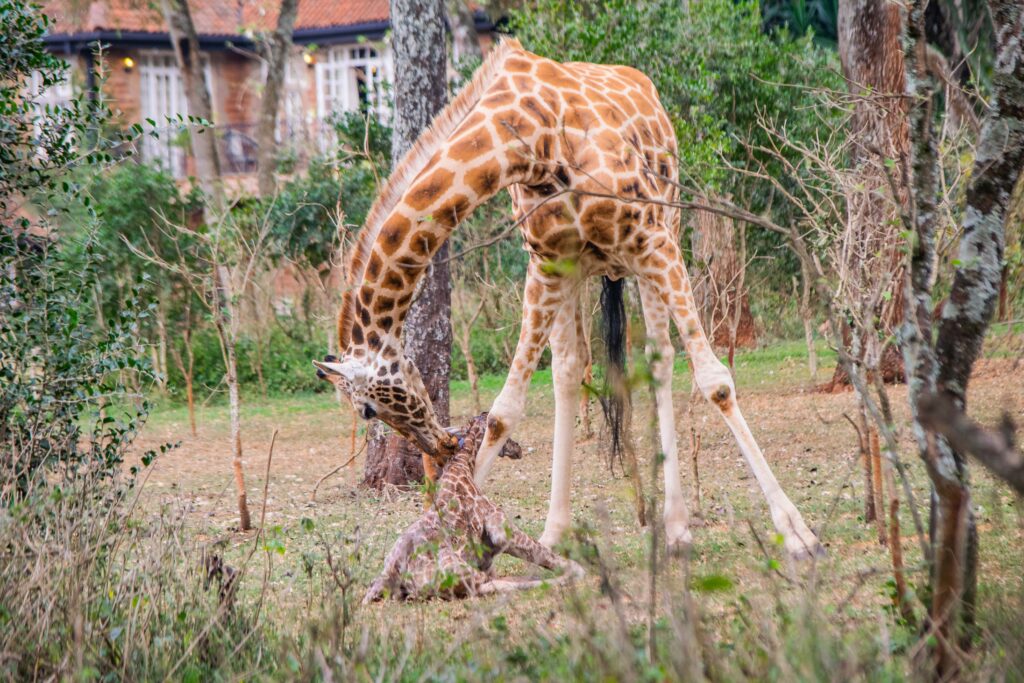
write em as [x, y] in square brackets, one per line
[340, 62]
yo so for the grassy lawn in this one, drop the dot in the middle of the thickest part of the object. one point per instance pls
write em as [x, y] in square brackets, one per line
[749, 597]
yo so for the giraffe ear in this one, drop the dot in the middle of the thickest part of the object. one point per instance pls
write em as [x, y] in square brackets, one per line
[327, 370]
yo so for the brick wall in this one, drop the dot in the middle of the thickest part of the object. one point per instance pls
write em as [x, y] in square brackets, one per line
[121, 86]
[237, 86]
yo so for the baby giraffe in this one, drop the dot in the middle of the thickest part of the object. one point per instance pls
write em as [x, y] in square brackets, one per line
[448, 551]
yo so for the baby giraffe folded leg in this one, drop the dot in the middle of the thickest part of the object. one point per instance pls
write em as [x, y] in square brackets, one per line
[448, 551]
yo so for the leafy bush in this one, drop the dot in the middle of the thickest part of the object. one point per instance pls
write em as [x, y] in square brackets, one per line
[284, 363]
[305, 212]
[65, 401]
[59, 373]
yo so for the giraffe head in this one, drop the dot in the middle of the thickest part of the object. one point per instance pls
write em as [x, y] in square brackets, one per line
[389, 387]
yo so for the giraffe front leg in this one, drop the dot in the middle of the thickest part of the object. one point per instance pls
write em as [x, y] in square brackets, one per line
[567, 368]
[657, 319]
[542, 298]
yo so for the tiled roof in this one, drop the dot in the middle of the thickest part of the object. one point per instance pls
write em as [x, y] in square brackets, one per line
[212, 18]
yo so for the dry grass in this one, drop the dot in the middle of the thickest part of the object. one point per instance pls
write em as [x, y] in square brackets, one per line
[810, 447]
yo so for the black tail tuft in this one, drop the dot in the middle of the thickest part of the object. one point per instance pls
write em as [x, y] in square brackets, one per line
[615, 396]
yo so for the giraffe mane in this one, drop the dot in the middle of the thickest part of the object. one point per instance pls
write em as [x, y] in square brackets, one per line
[407, 170]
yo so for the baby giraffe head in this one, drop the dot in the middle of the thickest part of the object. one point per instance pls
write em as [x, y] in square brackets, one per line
[470, 437]
[390, 389]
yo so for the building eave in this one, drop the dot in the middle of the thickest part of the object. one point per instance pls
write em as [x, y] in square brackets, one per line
[87, 40]
[72, 43]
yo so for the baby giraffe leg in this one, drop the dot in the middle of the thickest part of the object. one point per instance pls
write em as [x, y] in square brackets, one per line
[390, 575]
[507, 585]
[508, 538]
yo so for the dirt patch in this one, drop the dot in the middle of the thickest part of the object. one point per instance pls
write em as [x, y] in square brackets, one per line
[810, 447]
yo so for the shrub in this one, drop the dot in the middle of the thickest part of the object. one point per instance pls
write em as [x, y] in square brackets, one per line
[65, 400]
[65, 403]
[285, 363]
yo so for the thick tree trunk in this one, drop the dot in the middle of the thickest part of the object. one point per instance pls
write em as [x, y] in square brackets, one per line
[276, 48]
[870, 260]
[721, 295]
[420, 93]
[203, 141]
[940, 372]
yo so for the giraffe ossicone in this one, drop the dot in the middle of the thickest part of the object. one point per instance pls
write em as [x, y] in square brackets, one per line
[587, 153]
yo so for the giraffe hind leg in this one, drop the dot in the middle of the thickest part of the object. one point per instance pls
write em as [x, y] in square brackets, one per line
[567, 367]
[658, 320]
[715, 383]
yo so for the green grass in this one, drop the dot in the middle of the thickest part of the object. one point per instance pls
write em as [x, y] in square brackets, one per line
[778, 365]
[736, 608]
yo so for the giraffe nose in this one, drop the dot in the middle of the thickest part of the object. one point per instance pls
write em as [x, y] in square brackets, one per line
[368, 412]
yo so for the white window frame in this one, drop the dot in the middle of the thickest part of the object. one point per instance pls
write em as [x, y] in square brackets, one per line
[162, 97]
[337, 79]
[55, 97]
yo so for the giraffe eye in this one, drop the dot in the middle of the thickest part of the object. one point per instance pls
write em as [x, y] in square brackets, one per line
[368, 412]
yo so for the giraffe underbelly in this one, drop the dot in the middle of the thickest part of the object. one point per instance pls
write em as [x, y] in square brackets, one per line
[579, 236]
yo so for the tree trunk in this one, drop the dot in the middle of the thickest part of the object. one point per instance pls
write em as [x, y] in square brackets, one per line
[224, 319]
[807, 316]
[203, 141]
[187, 372]
[190, 394]
[465, 42]
[420, 93]
[870, 260]
[864, 443]
[276, 48]
[466, 347]
[902, 598]
[876, 474]
[941, 371]
[161, 348]
[723, 300]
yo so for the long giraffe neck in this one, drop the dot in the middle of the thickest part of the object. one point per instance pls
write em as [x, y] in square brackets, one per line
[463, 160]
[408, 240]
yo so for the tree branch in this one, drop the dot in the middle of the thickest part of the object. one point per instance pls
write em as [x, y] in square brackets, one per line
[995, 448]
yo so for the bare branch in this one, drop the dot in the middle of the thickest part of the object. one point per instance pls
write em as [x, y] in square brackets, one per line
[995, 448]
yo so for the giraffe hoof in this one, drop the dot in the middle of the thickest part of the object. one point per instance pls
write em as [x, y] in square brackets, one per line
[679, 541]
[550, 538]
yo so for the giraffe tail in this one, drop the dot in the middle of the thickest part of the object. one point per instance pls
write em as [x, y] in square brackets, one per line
[616, 401]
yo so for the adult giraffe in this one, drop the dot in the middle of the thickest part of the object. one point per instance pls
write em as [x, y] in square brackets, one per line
[573, 144]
